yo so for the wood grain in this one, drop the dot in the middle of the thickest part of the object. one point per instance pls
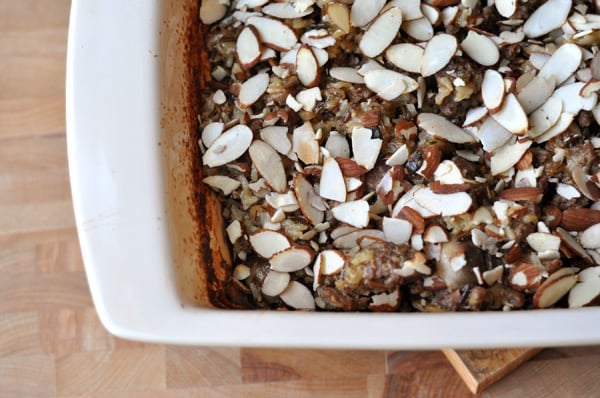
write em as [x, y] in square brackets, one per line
[51, 341]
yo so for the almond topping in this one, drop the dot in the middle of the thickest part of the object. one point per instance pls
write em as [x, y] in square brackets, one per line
[381, 32]
[292, 259]
[438, 52]
[554, 288]
[413, 216]
[307, 67]
[364, 11]
[274, 33]
[268, 163]
[297, 296]
[248, 47]
[579, 219]
[587, 291]
[228, 146]
[522, 193]
[439, 126]
[266, 242]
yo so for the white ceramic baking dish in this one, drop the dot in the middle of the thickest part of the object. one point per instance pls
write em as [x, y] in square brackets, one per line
[124, 78]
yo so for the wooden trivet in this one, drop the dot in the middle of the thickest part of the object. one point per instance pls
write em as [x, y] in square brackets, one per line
[480, 369]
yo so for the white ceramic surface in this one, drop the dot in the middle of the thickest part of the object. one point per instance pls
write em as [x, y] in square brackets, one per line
[113, 114]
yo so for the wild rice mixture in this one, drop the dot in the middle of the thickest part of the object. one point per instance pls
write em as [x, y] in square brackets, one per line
[405, 155]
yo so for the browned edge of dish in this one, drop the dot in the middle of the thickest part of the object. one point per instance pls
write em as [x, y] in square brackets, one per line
[200, 253]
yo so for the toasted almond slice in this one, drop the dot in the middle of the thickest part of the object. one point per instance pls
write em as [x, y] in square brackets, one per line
[536, 93]
[304, 193]
[211, 132]
[512, 116]
[223, 183]
[419, 29]
[406, 56]
[317, 38]
[435, 234]
[541, 242]
[212, 11]
[266, 242]
[396, 230]
[321, 55]
[506, 8]
[275, 282]
[590, 238]
[364, 11]
[307, 66]
[388, 84]
[492, 90]
[274, 33]
[355, 213]
[234, 231]
[569, 95]
[292, 259]
[481, 48]
[368, 66]
[448, 172]
[305, 144]
[341, 230]
[297, 296]
[452, 204]
[339, 15]
[439, 126]
[349, 240]
[492, 135]
[438, 52]
[308, 98]
[253, 88]
[545, 117]
[399, 157]
[285, 11]
[411, 9]
[276, 136]
[346, 74]
[563, 63]
[365, 149]
[269, 165]
[551, 15]
[475, 115]
[381, 32]
[584, 183]
[332, 185]
[431, 13]
[284, 201]
[587, 290]
[507, 156]
[228, 146]
[561, 125]
[572, 244]
[248, 48]
[337, 145]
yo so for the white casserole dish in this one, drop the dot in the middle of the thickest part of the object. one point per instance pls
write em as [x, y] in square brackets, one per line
[122, 78]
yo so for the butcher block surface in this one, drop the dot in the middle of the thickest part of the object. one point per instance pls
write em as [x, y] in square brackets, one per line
[51, 341]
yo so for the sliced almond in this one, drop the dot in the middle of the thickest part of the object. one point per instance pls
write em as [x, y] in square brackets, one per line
[571, 100]
[439, 126]
[399, 157]
[541, 242]
[579, 219]
[406, 56]
[346, 74]
[582, 180]
[536, 93]
[355, 213]
[297, 296]
[248, 48]
[268, 163]
[492, 90]
[512, 116]
[573, 245]
[350, 168]
[443, 204]
[565, 60]
[292, 259]
[337, 145]
[266, 242]
[475, 115]
[545, 117]
[332, 185]
[212, 11]
[561, 125]
[211, 132]
[506, 8]
[349, 240]
[317, 38]
[448, 172]
[275, 283]
[253, 88]
[396, 230]
[525, 277]
[276, 136]
[587, 291]
[339, 15]
[438, 53]
[381, 32]
[285, 11]
[242, 4]
[365, 149]
[341, 230]
[305, 145]
[590, 238]
[304, 193]
[481, 48]
[411, 9]
[507, 156]
[307, 66]
[385, 302]
[332, 262]
[226, 184]
[521, 193]
[308, 98]
[435, 234]
[419, 29]
[389, 84]
[431, 13]
[551, 15]
[591, 87]
[228, 146]
[492, 135]
[364, 11]
[274, 33]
